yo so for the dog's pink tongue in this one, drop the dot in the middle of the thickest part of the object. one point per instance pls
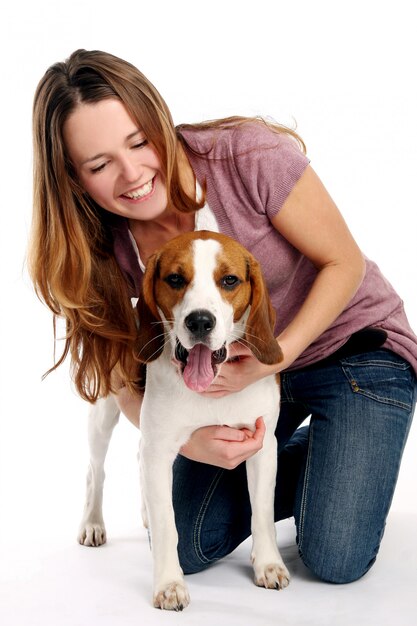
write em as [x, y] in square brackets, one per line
[198, 373]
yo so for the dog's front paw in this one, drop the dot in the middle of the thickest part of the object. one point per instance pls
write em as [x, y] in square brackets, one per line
[272, 576]
[173, 597]
[92, 534]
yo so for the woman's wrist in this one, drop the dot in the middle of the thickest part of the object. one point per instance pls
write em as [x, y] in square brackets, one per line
[290, 351]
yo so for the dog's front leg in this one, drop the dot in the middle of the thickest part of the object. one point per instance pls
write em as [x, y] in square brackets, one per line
[170, 591]
[269, 568]
[102, 418]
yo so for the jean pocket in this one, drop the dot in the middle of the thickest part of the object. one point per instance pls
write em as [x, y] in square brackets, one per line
[382, 376]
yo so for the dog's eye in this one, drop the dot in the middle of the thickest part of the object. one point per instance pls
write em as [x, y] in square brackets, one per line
[230, 282]
[176, 281]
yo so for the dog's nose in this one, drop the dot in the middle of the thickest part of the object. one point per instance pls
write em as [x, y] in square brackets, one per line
[200, 322]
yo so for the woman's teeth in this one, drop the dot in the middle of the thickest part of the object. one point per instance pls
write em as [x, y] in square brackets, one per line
[140, 193]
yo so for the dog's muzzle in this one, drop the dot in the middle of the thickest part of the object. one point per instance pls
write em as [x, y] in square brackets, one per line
[199, 365]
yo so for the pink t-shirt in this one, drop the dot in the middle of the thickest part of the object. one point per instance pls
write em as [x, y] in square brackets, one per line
[249, 171]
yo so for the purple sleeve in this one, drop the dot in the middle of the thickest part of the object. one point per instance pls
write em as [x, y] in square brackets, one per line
[268, 164]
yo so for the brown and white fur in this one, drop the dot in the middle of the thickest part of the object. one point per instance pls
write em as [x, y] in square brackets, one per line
[201, 292]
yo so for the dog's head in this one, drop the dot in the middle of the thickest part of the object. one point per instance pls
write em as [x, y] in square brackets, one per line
[205, 291]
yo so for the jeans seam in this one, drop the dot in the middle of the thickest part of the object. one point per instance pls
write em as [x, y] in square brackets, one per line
[381, 399]
[394, 479]
[377, 362]
[305, 489]
[201, 515]
[286, 395]
[349, 372]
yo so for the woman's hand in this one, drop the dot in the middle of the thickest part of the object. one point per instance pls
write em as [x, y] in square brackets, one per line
[224, 446]
[240, 370]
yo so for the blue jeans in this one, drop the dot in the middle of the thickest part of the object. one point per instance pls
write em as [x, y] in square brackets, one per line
[336, 476]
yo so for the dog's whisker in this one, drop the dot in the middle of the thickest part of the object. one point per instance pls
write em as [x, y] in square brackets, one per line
[149, 342]
[244, 341]
[153, 354]
[255, 337]
[162, 321]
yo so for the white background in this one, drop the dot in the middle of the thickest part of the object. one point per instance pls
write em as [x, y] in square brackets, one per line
[345, 71]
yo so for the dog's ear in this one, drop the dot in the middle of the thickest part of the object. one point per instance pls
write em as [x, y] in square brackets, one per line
[150, 337]
[261, 321]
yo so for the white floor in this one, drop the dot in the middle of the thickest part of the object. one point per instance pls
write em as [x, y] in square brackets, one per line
[47, 579]
[53, 581]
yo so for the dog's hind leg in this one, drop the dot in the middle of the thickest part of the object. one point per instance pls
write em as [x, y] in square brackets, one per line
[269, 568]
[103, 417]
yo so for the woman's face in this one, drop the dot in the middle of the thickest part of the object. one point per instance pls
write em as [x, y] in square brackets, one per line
[114, 162]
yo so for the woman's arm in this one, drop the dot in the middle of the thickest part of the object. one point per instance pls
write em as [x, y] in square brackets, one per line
[311, 222]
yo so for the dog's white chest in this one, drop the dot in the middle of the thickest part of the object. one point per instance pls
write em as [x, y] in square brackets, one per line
[175, 411]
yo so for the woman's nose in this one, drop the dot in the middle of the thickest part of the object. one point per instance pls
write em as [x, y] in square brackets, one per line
[130, 169]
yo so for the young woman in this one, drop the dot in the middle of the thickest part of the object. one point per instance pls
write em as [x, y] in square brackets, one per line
[114, 180]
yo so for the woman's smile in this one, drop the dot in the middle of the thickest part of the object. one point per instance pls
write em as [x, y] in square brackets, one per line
[141, 193]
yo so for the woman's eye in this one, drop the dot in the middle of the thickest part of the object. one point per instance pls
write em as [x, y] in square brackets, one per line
[176, 281]
[230, 282]
[142, 144]
[99, 168]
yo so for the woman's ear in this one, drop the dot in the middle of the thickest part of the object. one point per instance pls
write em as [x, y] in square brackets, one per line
[151, 336]
[261, 321]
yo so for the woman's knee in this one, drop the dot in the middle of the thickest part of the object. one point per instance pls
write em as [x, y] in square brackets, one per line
[200, 549]
[337, 562]
[212, 512]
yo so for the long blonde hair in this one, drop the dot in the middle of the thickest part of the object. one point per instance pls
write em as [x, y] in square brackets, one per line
[71, 258]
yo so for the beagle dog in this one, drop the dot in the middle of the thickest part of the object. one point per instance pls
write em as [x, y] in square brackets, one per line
[201, 292]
